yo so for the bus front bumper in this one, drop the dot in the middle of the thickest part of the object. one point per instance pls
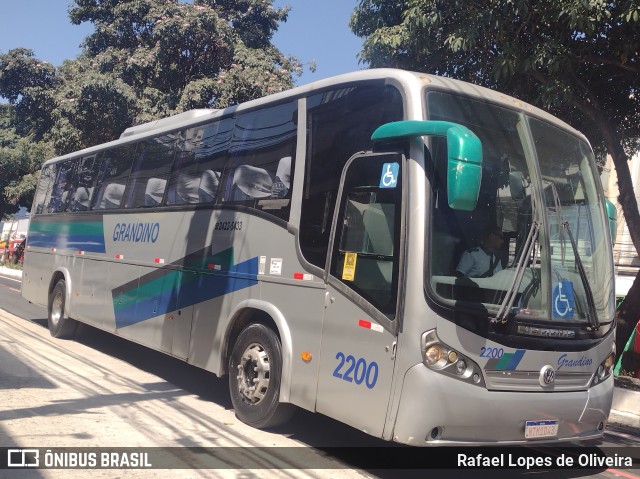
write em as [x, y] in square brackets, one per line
[439, 410]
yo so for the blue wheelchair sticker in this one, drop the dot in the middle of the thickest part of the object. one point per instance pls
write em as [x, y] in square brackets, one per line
[389, 176]
[563, 300]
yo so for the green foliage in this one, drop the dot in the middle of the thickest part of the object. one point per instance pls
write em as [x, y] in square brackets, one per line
[19, 71]
[20, 160]
[145, 59]
[577, 58]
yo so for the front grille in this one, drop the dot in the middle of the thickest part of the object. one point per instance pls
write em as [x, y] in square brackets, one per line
[530, 381]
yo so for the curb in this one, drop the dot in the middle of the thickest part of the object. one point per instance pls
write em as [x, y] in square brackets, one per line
[10, 272]
[626, 401]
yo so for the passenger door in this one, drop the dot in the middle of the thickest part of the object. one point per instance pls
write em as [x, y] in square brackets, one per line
[360, 323]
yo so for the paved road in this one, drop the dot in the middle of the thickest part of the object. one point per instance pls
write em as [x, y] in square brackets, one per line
[102, 391]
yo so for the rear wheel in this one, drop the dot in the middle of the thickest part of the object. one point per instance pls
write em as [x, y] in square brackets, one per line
[255, 372]
[60, 326]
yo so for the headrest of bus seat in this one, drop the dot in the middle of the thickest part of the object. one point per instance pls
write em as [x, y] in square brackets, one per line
[284, 171]
[155, 190]
[253, 182]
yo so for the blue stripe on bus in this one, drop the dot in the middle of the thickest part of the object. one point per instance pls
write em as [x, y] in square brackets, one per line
[74, 234]
[91, 244]
[187, 291]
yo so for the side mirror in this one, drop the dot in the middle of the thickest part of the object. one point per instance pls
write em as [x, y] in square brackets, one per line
[464, 153]
[612, 214]
[516, 185]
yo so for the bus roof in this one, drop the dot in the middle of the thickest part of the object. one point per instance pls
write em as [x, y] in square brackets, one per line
[403, 77]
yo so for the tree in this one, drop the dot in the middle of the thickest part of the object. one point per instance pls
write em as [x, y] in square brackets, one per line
[20, 160]
[146, 59]
[577, 59]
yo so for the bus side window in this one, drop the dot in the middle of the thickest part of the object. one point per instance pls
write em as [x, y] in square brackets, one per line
[365, 256]
[83, 183]
[201, 154]
[258, 172]
[61, 188]
[150, 172]
[45, 187]
[113, 176]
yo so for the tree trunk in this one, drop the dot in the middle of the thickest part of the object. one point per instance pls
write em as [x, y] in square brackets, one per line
[629, 311]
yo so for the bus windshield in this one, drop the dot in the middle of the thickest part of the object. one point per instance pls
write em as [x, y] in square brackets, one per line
[535, 247]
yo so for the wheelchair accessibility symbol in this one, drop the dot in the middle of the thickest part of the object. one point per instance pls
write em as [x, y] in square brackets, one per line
[389, 176]
[563, 301]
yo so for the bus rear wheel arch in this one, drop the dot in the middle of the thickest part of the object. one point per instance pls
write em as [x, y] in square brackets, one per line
[60, 326]
[255, 374]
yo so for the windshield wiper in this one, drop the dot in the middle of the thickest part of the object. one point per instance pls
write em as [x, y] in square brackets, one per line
[503, 314]
[592, 315]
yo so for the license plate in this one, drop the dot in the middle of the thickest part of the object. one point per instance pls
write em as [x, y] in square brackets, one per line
[535, 429]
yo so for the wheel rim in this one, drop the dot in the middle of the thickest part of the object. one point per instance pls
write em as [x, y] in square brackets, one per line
[253, 373]
[56, 308]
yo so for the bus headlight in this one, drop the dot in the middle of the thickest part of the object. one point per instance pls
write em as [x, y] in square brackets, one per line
[434, 355]
[442, 358]
[604, 369]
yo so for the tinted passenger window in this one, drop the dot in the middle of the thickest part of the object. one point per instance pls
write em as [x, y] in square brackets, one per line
[45, 186]
[365, 256]
[83, 184]
[259, 169]
[148, 181]
[114, 173]
[201, 154]
[60, 193]
[339, 124]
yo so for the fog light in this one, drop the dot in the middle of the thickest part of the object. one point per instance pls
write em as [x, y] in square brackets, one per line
[476, 378]
[433, 354]
[461, 367]
[436, 433]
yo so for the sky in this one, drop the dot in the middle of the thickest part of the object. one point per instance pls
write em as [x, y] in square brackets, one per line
[316, 30]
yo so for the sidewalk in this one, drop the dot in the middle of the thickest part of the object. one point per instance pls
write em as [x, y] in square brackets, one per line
[626, 395]
[10, 272]
[626, 402]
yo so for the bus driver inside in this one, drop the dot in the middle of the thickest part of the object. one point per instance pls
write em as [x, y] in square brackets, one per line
[484, 260]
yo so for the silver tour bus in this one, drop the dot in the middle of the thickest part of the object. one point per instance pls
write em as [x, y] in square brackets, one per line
[314, 246]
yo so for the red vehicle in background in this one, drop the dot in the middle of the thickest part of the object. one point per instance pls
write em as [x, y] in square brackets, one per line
[12, 251]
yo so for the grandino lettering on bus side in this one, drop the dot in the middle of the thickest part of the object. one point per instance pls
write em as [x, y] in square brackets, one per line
[136, 232]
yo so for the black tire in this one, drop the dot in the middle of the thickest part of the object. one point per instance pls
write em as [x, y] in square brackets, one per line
[255, 372]
[60, 326]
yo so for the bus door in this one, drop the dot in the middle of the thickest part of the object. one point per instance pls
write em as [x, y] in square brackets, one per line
[360, 327]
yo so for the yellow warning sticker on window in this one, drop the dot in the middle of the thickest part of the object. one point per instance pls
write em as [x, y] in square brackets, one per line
[349, 268]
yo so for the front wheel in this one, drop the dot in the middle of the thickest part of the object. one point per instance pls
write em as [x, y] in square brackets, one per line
[60, 326]
[255, 371]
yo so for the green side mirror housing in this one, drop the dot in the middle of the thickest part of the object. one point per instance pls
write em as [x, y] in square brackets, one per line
[612, 214]
[464, 153]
